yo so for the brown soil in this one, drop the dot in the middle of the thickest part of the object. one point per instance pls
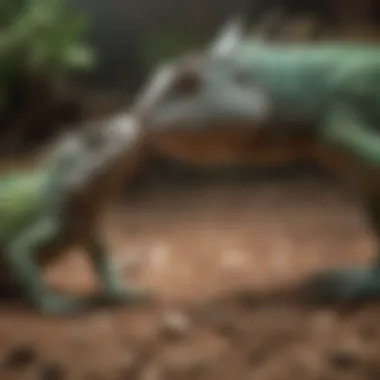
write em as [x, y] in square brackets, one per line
[211, 254]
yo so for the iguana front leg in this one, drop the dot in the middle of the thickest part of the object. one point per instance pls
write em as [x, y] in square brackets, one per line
[345, 129]
[111, 279]
[21, 255]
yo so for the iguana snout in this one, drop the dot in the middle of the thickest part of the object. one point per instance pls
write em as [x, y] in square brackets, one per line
[206, 94]
[205, 91]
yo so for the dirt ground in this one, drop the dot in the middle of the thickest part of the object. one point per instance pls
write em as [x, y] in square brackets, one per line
[211, 254]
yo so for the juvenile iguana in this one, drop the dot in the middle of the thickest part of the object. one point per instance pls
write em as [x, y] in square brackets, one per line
[58, 204]
[329, 92]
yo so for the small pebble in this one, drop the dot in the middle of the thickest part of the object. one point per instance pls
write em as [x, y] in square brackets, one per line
[54, 371]
[233, 259]
[343, 360]
[175, 326]
[160, 256]
[20, 357]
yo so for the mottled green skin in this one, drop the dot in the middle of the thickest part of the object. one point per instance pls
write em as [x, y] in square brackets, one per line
[332, 88]
[311, 82]
[38, 217]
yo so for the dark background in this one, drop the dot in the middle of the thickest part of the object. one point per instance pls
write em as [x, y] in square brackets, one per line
[130, 36]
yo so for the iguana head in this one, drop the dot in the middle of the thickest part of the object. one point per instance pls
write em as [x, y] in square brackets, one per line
[205, 90]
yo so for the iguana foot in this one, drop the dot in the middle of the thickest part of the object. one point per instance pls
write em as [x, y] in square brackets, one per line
[60, 305]
[129, 296]
[348, 284]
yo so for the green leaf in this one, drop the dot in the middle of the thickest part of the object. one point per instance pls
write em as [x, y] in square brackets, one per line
[41, 35]
[79, 57]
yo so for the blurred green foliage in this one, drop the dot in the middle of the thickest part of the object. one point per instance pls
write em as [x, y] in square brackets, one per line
[40, 37]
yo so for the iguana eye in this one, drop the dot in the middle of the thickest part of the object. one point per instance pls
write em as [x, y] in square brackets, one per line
[188, 83]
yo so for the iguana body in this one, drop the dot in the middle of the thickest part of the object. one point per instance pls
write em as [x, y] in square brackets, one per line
[328, 93]
[58, 204]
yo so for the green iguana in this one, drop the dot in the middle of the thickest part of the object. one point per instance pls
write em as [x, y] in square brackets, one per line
[327, 91]
[58, 204]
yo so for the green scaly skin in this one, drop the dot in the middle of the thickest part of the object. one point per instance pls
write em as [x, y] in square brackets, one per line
[335, 88]
[33, 214]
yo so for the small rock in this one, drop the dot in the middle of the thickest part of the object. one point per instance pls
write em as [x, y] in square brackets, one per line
[54, 371]
[344, 360]
[21, 357]
[175, 326]
[232, 259]
[160, 256]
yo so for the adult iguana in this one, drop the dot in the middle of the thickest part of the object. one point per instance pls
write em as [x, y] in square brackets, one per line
[329, 93]
[58, 203]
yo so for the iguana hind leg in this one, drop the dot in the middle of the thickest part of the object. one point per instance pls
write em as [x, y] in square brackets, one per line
[346, 130]
[21, 255]
[111, 279]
